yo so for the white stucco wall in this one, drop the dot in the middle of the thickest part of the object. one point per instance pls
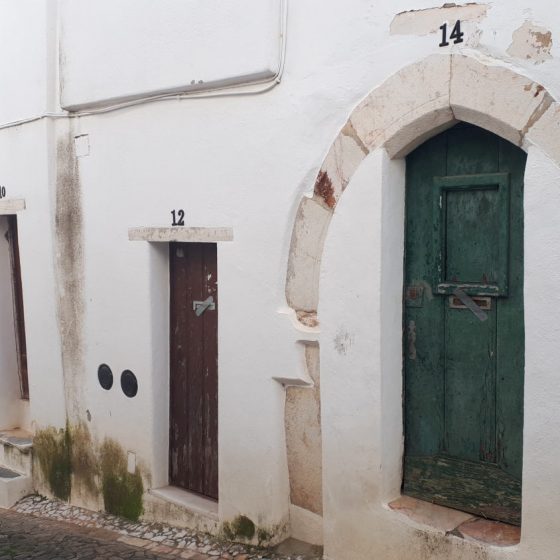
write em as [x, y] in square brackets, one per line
[245, 163]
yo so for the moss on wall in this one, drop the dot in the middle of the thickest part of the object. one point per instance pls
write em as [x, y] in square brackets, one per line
[85, 468]
[52, 447]
[69, 454]
[122, 491]
[240, 528]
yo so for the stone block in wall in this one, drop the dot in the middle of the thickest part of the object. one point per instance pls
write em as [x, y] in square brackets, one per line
[390, 113]
[495, 98]
[545, 132]
[304, 263]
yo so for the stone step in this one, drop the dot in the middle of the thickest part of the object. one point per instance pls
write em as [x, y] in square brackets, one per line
[13, 486]
[16, 447]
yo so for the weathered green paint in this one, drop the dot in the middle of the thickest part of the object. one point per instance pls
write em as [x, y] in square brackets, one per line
[464, 376]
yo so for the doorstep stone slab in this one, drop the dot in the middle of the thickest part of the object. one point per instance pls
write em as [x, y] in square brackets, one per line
[426, 513]
[490, 532]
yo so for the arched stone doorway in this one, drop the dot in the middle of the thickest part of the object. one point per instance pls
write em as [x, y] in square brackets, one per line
[360, 302]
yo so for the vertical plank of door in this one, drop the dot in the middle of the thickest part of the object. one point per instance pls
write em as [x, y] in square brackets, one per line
[177, 361]
[210, 388]
[195, 368]
[471, 150]
[511, 329]
[424, 381]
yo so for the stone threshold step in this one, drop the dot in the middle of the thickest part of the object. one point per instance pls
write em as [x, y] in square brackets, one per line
[20, 439]
[8, 474]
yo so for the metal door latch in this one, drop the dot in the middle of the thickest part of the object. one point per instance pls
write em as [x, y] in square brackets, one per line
[470, 304]
[200, 307]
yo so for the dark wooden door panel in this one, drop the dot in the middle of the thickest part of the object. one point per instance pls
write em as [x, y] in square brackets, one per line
[463, 372]
[18, 306]
[193, 446]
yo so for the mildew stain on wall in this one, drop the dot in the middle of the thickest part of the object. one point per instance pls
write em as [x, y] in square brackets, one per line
[70, 270]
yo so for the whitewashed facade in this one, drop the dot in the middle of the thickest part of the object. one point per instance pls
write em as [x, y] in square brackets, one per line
[114, 114]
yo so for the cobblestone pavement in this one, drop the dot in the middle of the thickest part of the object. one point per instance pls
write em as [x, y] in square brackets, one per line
[43, 529]
[24, 536]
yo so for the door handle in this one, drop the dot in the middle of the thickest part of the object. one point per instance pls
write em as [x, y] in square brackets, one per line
[200, 307]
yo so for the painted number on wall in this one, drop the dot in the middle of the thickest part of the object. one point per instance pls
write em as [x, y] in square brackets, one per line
[178, 217]
[2, 192]
[456, 34]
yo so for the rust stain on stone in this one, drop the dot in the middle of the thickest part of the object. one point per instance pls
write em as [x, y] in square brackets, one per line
[324, 189]
[70, 270]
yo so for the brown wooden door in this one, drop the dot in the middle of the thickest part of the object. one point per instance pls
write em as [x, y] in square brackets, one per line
[19, 321]
[193, 444]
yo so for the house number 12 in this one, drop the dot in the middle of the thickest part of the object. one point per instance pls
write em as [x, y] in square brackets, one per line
[178, 217]
[456, 34]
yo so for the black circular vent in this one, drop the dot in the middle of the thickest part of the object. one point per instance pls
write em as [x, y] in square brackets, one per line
[129, 383]
[105, 376]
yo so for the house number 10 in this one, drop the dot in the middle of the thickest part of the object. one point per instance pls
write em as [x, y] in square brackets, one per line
[456, 34]
[2, 192]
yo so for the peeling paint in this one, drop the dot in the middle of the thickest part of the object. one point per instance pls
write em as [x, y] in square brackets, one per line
[308, 319]
[531, 42]
[428, 20]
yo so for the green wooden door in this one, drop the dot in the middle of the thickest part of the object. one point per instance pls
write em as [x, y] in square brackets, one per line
[463, 323]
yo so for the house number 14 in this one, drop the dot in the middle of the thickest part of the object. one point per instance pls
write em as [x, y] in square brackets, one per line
[456, 34]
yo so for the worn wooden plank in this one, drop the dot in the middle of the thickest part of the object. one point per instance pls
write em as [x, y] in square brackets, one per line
[511, 327]
[478, 488]
[424, 384]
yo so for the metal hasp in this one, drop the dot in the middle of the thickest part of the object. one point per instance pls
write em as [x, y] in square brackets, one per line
[200, 307]
[470, 304]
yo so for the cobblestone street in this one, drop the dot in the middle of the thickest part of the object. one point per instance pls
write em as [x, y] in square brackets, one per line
[50, 529]
[24, 536]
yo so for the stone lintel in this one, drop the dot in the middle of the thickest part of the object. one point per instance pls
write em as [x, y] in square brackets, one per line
[181, 234]
[11, 206]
